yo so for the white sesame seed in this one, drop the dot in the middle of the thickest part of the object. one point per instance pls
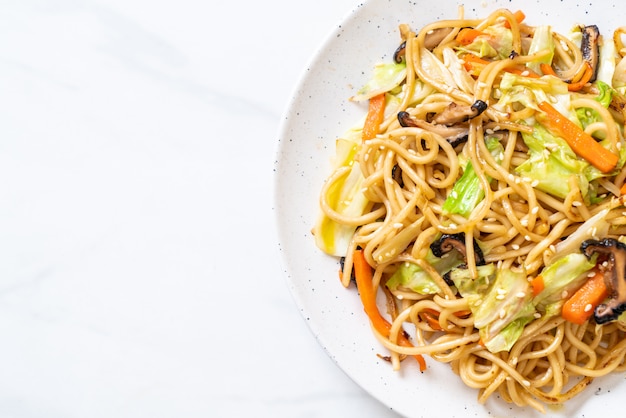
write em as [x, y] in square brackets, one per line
[564, 294]
[527, 237]
[534, 210]
[453, 226]
[398, 225]
[515, 247]
[526, 383]
[537, 315]
[500, 297]
[524, 222]
[591, 274]
[501, 291]
[521, 295]
[525, 73]
[502, 313]
[588, 307]
[534, 183]
[576, 203]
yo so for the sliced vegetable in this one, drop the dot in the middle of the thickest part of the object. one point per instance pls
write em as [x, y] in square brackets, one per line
[614, 273]
[386, 77]
[587, 75]
[375, 116]
[551, 164]
[519, 17]
[468, 35]
[581, 143]
[501, 302]
[560, 280]
[363, 277]
[537, 285]
[580, 307]
[411, 276]
[467, 192]
[543, 40]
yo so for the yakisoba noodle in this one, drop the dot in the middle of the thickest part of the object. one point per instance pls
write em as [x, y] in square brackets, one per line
[408, 170]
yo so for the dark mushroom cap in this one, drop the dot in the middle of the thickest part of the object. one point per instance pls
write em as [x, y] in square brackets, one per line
[614, 276]
[449, 242]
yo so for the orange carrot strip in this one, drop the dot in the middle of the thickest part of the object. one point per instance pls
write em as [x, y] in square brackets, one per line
[519, 17]
[474, 65]
[375, 116]
[363, 276]
[622, 189]
[467, 35]
[581, 142]
[547, 69]
[583, 80]
[537, 285]
[580, 306]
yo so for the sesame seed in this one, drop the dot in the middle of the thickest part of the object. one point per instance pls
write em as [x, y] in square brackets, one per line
[576, 203]
[525, 73]
[500, 297]
[526, 383]
[501, 291]
[534, 183]
[527, 237]
[588, 307]
[524, 222]
[515, 247]
[591, 274]
[537, 315]
[521, 295]
[534, 210]
[398, 225]
[564, 294]
[502, 313]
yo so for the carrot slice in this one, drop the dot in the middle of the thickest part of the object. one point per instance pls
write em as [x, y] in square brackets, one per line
[363, 276]
[547, 69]
[583, 80]
[519, 17]
[537, 285]
[468, 35]
[375, 116]
[580, 306]
[581, 142]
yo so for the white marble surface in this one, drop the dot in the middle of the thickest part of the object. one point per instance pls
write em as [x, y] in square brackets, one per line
[139, 275]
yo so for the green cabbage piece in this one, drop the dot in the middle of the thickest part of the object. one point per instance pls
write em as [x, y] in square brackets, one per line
[542, 41]
[467, 192]
[562, 278]
[501, 302]
[411, 276]
[386, 77]
[551, 163]
[346, 197]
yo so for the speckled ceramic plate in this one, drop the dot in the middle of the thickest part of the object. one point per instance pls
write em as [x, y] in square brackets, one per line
[318, 114]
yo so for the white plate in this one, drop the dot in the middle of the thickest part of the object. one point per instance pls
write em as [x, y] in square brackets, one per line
[320, 112]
